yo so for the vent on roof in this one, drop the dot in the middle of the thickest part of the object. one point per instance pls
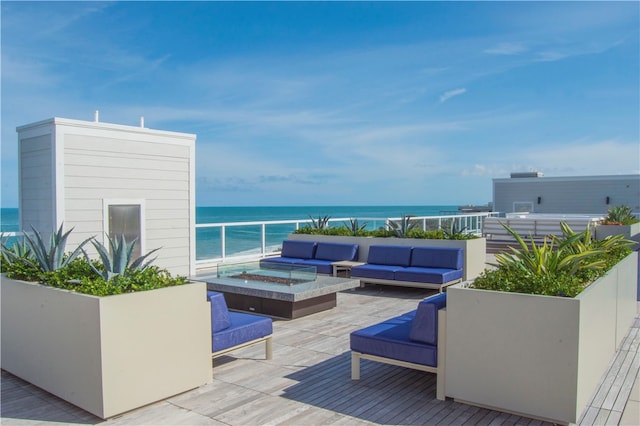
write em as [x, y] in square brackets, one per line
[526, 175]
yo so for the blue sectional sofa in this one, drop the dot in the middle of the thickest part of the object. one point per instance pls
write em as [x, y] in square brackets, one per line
[234, 330]
[414, 340]
[310, 253]
[428, 267]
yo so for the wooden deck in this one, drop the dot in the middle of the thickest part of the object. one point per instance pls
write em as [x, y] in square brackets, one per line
[308, 382]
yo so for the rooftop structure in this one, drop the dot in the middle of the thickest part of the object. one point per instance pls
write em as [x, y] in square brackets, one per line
[594, 195]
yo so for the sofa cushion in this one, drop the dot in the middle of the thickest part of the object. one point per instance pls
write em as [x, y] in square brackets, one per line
[390, 339]
[428, 275]
[219, 311]
[298, 249]
[336, 251]
[424, 328]
[390, 255]
[380, 272]
[244, 328]
[322, 266]
[282, 261]
[437, 257]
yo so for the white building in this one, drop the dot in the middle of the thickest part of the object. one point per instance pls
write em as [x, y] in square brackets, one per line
[531, 192]
[101, 178]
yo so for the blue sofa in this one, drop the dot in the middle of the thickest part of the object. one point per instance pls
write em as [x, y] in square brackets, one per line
[234, 330]
[322, 255]
[428, 267]
[414, 340]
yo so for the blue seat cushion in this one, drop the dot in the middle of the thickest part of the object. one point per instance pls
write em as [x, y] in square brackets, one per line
[424, 328]
[322, 266]
[336, 251]
[283, 260]
[390, 339]
[389, 255]
[298, 249]
[219, 311]
[380, 272]
[437, 257]
[244, 328]
[428, 275]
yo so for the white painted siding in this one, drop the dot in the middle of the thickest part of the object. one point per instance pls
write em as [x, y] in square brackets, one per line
[95, 162]
[36, 183]
[581, 195]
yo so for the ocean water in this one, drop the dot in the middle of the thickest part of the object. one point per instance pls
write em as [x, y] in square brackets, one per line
[247, 238]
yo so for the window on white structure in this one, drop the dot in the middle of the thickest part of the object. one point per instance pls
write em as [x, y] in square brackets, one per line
[126, 219]
[522, 207]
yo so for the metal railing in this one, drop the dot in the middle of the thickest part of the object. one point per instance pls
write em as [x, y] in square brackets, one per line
[260, 238]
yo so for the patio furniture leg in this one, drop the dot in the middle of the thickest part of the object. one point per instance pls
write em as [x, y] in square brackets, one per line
[268, 348]
[355, 365]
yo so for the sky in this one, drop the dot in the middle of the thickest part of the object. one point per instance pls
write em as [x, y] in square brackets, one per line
[338, 103]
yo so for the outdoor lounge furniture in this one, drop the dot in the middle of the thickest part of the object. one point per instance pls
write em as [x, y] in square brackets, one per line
[413, 340]
[427, 267]
[234, 330]
[322, 255]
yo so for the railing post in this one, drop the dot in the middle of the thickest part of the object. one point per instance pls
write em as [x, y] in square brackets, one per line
[263, 229]
[223, 240]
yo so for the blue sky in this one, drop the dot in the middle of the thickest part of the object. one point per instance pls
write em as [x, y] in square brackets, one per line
[333, 103]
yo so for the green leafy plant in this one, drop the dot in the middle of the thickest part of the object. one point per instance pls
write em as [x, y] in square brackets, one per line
[116, 260]
[53, 267]
[14, 253]
[402, 227]
[620, 215]
[321, 223]
[52, 256]
[355, 228]
[558, 266]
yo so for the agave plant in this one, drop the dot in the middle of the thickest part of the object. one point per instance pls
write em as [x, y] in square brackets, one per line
[354, 227]
[321, 223]
[116, 259]
[19, 250]
[51, 257]
[401, 228]
[620, 215]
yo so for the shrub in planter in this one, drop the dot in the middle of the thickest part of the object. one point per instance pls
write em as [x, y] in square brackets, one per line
[102, 354]
[115, 273]
[620, 215]
[559, 266]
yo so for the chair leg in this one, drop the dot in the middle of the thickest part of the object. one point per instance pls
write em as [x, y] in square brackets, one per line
[355, 366]
[268, 348]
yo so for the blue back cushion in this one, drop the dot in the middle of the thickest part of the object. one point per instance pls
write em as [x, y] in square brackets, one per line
[298, 249]
[389, 255]
[424, 328]
[437, 257]
[219, 312]
[336, 251]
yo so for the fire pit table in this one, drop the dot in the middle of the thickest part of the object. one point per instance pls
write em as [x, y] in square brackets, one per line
[283, 291]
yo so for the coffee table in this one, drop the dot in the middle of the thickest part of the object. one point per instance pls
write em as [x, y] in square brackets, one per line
[290, 300]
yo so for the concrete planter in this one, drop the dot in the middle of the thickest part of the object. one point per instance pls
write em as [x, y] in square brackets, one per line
[474, 250]
[630, 232]
[540, 356]
[107, 355]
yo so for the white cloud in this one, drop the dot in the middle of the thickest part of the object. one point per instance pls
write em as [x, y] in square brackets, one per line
[451, 93]
[507, 49]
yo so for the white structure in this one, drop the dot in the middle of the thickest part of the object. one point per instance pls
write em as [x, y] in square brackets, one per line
[593, 195]
[101, 178]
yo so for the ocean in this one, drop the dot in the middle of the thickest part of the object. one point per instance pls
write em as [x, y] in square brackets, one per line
[247, 238]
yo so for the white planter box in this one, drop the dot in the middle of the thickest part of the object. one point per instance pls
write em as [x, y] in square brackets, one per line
[540, 356]
[474, 250]
[630, 232]
[107, 355]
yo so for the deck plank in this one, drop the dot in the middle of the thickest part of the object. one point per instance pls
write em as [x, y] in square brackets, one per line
[308, 381]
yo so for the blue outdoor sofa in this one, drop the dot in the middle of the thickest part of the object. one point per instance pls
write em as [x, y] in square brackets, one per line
[322, 255]
[235, 330]
[414, 340]
[426, 267]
